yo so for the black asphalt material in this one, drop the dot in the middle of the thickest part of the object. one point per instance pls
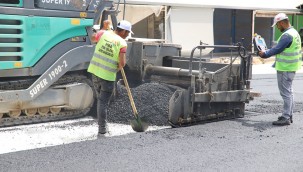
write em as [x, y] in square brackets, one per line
[151, 100]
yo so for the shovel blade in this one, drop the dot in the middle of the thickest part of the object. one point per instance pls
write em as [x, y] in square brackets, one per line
[139, 125]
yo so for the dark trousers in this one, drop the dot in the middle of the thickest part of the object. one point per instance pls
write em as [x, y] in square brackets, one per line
[104, 90]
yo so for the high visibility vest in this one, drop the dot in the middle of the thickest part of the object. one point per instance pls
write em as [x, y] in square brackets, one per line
[290, 58]
[104, 63]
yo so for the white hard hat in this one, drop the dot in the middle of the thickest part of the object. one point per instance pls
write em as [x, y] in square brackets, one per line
[279, 17]
[123, 24]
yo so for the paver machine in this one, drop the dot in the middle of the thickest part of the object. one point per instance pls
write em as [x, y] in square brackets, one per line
[45, 49]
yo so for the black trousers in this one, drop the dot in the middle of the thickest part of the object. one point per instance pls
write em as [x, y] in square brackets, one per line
[104, 90]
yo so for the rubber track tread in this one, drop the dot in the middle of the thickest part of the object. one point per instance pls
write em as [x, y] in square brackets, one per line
[80, 77]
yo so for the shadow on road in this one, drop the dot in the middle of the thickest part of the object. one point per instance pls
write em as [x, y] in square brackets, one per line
[256, 124]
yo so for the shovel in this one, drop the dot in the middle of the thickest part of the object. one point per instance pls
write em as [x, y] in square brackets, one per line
[137, 124]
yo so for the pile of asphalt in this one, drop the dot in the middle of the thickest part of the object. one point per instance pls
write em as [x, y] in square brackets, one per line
[151, 100]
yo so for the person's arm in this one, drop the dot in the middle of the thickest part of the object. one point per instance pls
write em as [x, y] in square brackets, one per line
[122, 58]
[96, 36]
[93, 39]
[284, 42]
[122, 61]
[106, 25]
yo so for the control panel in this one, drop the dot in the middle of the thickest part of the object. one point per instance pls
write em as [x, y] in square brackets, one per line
[259, 43]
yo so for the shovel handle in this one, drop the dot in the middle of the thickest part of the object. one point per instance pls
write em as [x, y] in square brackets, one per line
[132, 103]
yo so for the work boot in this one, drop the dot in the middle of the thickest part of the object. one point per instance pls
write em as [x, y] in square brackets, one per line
[103, 129]
[281, 121]
[291, 121]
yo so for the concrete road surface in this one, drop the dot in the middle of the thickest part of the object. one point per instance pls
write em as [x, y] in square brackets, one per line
[245, 144]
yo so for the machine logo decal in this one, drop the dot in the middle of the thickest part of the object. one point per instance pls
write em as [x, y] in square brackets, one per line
[64, 2]
[52, 74]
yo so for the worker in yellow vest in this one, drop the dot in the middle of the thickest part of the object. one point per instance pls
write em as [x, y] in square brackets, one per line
[108, 59]
[288, 53]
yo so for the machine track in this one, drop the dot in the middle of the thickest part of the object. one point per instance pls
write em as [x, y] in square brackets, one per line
[45, 114]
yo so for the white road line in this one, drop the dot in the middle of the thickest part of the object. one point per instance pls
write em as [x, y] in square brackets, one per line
[56, 133]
